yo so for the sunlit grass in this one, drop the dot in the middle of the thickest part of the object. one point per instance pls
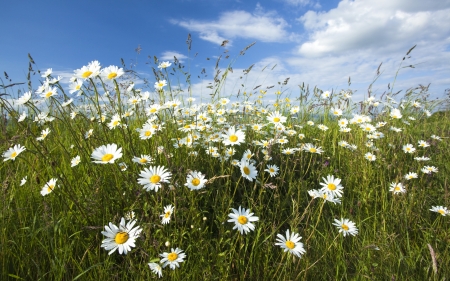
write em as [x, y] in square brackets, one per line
[213, 187]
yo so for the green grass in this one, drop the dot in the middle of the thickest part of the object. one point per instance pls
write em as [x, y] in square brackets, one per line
[58, 236]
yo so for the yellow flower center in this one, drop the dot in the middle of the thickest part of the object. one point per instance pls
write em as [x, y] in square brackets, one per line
[195, 181]
[242, 219]
[77, 87]
[50, 188]
[290, 244]
[246, 170]
[172, 256]
[345, 227]
[14, 154]
[153, 110]
[271, 170]
[276, 119]
[107, 157]
[397, 188]
[121, 237]
[147, 133]
[233, 138]
[331, 186]
[167, 214]
[442, 212]
[312, 149]
[112, 75]
[115, 123]
[86, 74]
[143, 160]
[155, 179]
[49, 94]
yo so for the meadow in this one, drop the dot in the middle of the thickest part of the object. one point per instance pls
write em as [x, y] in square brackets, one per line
[108, 180]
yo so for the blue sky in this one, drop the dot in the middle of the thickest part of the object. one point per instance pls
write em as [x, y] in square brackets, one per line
[313, 41]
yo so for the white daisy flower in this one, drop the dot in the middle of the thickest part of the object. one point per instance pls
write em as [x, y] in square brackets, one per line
[242, 218]
[120, 238]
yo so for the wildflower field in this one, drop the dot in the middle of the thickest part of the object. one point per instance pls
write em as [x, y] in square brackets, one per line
[108, 180]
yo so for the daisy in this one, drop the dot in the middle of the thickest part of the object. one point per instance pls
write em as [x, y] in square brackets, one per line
[153, 109]
[156, 268]
[195, 180]
[160, 84]
[13, 152]
[143, 160]
[168, 211]
[23, 181]
[88, 134]
[152, 177]
[90, 71]
[49, 92]
[322, 127]
[429, 169]
[325, 95]
[66, 103]
[173, 258]
[422, 158]
[440, 209]
[47, 73]
[346, 227]
[289, 151]
[411, 175]
[75, 161]
[44, 134]
[369, 156]
[164, 64]
[121, 238]
[75, 86]
[242, 219]
[232, 137]
[247, 155]
[368, 127]
[291, 243]
[332, 185]
[146, 132]
[115, 121]
[106, 154]
[112, 72]
[395, 113]
[272, 170]
[336, 111]
[248, 170]
[408, 148]
[436, 137]
[25, 98]
[22, 117]
[122, 166]
[314, 193]
[48, 187]
[423, 144]
[276, 118]
[397, 188]
[309, 147]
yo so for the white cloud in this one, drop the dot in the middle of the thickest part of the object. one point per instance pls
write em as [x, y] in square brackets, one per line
[259, 25]
[375, 25]
[169, 55]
